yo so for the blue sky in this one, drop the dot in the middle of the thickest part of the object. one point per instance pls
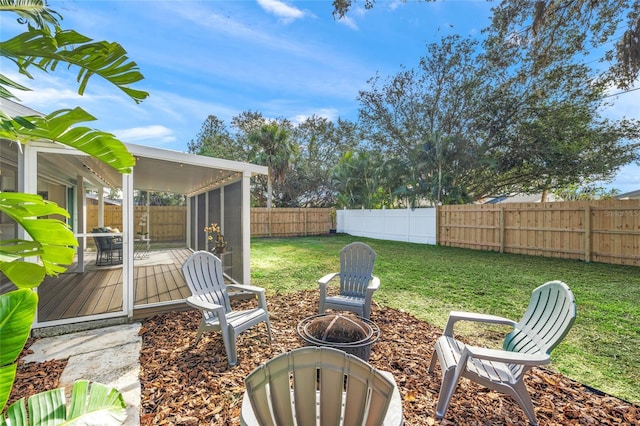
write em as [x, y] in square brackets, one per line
[287, 59]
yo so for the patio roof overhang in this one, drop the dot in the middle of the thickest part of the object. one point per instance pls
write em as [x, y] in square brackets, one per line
[156, 169]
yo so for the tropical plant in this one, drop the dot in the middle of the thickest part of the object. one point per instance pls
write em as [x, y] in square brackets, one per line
[357, 182]
[273, 148]
[45, 45]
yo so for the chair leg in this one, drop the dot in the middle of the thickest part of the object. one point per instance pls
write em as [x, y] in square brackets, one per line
[200, 331]
[229, 338]
[447, 388]
[434, 359]
[520, 393]
[366, 312]
[269, 330]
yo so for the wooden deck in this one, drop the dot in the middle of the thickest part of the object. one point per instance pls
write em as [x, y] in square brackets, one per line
[97, 290]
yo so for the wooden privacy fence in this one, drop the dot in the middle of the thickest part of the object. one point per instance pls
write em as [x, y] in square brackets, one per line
[169, 224]
[289, 222]
[163, 223]
[602, 231]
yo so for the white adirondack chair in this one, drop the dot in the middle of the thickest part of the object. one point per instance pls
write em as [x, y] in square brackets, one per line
[357, 282]
[550, 315]
[203, 274]
[320, 385]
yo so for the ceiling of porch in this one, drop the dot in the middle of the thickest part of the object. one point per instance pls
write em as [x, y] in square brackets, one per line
[156, 169]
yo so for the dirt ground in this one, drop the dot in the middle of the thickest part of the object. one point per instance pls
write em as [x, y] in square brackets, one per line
[187, 384]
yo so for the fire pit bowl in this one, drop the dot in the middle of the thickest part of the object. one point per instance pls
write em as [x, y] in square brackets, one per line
[347, 332]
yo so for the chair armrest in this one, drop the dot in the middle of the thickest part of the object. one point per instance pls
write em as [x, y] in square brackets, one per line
[456, 316]
[507, 356]
[204, 305]
[258, 291]
[325, 280]
[374, 284]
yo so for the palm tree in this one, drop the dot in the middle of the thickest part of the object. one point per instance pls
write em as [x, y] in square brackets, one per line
[273, 148]
[356, 177]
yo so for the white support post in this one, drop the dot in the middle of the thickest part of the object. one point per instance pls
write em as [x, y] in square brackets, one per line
[127, 244]
[221, 212]
[188, 236]
[246, 227]
[81, 208]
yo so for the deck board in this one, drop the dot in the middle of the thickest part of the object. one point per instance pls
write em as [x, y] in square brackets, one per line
[99, 289]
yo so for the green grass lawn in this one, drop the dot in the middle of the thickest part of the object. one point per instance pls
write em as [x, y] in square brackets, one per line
[602, 349]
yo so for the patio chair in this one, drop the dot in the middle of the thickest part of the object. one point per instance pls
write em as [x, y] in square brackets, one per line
[357, 282]
[550, 315]
[203, 274]
[109, 249]
[312, 384]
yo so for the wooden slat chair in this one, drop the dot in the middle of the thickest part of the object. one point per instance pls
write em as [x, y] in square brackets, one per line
[550, 315]
[320, 385]
[357, 282]
[203, 274]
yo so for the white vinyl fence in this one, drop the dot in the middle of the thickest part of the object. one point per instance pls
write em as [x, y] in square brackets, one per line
[409, 225]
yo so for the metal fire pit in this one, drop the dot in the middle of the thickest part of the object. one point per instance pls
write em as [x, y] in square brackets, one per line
[350, 333]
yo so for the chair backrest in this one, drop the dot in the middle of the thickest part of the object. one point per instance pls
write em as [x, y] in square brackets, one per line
[293, 383]
[356, 268]
[101, 242]
[203, 274]
[549, 317]
[104, 242]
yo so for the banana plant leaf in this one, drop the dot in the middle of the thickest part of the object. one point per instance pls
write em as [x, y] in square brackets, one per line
[40, 48]
[17, 311]
[63, 126]
[53, 240]
[90, 405]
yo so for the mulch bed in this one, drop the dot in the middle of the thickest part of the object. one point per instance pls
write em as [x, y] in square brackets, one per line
[187, 384]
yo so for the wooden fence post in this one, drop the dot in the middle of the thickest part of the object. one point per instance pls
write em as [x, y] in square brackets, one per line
[501, 229]
[587, 234]
[438, 213]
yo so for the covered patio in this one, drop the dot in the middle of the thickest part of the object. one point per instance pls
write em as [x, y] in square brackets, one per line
[215, 190]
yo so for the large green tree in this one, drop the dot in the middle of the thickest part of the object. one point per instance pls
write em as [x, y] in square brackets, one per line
[581, 26]
[528, 125]
[423, 121]
[541, 124]
[44, 45]
[440, 95]
[215, 140]
[321, 143]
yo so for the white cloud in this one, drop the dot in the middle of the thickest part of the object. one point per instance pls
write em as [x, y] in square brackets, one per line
[330, 114]
[282, 10]
[623, 105]
[348, 22]
[45, 90]
[157, 133]
[396, 4]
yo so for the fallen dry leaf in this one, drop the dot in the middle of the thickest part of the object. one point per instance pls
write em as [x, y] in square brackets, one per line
[186, 383]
